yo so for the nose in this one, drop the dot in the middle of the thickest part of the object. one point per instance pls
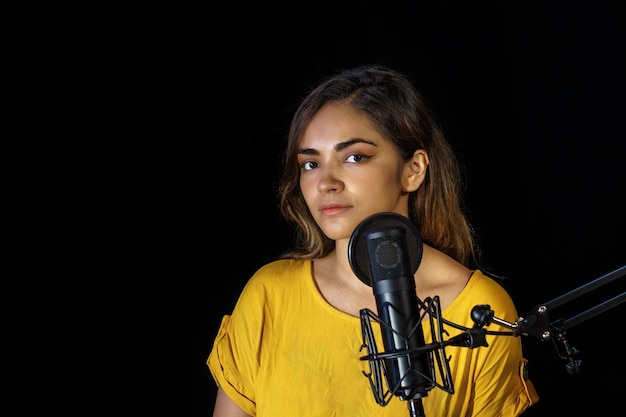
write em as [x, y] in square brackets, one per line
[329, 181]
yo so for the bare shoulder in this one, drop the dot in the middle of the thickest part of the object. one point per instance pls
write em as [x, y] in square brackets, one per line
[440, 275]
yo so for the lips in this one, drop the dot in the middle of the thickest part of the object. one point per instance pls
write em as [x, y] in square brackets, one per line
[329, 209]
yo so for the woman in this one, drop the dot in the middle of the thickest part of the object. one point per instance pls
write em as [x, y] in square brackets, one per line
[362, 142]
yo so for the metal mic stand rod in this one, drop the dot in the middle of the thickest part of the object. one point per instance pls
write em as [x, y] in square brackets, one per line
[416, 408]
[611, 276]
[592, 312]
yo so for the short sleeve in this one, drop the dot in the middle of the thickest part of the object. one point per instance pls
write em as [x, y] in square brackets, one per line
[222, 364]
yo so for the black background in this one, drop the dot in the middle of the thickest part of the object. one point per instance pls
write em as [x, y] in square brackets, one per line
[166, 124]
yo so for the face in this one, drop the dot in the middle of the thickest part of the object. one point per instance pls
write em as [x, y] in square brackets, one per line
[348, 171]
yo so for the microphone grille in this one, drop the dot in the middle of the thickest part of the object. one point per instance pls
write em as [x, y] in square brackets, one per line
[391, 238]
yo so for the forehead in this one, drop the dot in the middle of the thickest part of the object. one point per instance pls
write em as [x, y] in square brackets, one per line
[338, 122]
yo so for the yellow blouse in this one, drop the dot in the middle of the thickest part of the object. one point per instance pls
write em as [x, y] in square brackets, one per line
[284, 351]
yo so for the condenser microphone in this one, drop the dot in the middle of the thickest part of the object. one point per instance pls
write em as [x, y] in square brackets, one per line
[384, 252]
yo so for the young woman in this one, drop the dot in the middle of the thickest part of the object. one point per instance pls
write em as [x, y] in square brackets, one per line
[362, 142]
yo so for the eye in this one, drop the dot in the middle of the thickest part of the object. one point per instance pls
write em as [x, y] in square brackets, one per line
[308, 165]
[355, 158]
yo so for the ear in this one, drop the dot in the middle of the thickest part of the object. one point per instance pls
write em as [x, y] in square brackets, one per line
[414, 171]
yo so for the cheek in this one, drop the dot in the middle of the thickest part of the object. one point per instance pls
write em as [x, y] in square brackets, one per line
[303, 184]
[307, 188]
[383, 181]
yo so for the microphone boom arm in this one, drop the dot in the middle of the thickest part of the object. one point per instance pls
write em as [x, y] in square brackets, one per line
[537, 323]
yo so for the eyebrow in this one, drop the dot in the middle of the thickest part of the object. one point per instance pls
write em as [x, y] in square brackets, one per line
[339, 146]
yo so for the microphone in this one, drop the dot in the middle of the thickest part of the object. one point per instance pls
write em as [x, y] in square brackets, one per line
[384, 252]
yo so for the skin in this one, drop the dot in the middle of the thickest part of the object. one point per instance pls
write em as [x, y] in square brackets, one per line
[348, 172]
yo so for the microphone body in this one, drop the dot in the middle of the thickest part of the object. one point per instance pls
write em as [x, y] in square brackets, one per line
[393, 285]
